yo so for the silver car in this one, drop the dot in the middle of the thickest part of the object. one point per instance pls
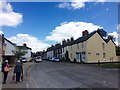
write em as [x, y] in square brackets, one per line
[38, 59]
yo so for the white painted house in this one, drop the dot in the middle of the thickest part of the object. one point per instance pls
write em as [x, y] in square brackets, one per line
[27, 49]
[50, 54]
[9, 48]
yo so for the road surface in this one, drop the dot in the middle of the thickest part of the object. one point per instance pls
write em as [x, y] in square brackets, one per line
[49, 74]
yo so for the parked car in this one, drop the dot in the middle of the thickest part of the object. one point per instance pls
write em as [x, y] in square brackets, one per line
[23, 59]
[38, 59]
[55, 59]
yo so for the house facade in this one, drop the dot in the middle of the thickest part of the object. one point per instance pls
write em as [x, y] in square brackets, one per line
[90, 48]
[50, 52]
[28, 51]
[9, 48]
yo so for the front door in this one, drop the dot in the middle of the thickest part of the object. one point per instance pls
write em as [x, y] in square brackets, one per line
[78, 56]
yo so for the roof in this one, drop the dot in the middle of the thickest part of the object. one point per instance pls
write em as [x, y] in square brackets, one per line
[23, 47]
[80, 39]
[10, 41]
[84, 38]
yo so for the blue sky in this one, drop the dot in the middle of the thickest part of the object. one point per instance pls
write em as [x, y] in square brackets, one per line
[48, 22]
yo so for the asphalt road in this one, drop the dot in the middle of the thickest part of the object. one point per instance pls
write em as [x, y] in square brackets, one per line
[49, 74]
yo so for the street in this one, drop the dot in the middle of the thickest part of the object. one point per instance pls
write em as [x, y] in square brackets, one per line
[70, 75]
[47, 74]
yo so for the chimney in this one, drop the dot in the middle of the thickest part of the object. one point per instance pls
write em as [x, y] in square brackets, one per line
[63, 42]
[110, 37]
[84, 33]
[68, 40]
[24, 45]
[72, 39]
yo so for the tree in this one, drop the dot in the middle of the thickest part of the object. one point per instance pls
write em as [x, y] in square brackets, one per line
[19, 53]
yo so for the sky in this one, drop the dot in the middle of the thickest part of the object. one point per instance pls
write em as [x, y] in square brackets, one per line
[41, 24]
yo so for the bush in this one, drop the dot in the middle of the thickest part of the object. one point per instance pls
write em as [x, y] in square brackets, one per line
[74, 60]
[65, 59]
[111, 65]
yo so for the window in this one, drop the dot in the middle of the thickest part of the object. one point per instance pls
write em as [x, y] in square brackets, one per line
[82, 45]
[104, 55]
[89, 52]
[103, 45]
[77, 56]
[97, 54]
[83, 56]
[77, 45]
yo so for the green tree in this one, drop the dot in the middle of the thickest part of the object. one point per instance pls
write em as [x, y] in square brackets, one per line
[19, 53]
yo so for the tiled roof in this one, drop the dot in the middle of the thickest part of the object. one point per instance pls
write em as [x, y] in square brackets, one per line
[84, 38]
[80, 39]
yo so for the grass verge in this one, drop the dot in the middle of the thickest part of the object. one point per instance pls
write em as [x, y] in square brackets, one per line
[110, 65]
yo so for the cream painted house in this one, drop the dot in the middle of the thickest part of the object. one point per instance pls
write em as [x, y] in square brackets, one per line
[92, 48]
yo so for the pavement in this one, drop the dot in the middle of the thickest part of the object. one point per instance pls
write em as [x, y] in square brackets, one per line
[23, 84]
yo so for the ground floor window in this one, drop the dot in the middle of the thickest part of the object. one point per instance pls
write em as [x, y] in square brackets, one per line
[80, 56]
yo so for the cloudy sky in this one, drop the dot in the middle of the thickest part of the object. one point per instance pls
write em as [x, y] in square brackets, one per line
[41, 24]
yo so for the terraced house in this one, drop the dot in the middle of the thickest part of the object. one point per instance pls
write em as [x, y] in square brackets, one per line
[90, 48]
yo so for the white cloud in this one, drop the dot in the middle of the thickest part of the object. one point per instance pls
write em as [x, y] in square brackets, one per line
[1, 32]
[32, 42]
[7, 16]
[77, 4]
[116, 36]
[64, 5]
[70, 29]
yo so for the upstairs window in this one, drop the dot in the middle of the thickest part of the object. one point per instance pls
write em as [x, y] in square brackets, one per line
[97, 54]
[103, 45]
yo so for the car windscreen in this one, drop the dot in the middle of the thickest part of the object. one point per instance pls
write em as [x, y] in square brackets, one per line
[38, 57]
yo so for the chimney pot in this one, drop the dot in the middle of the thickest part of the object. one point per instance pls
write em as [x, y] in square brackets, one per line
[84, 33]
